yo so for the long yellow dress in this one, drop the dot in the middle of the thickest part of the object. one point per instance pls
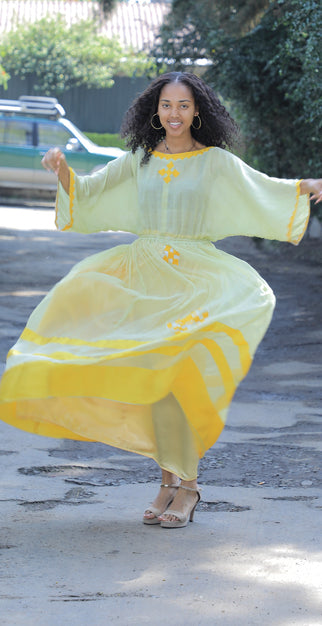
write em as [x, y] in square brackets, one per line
[142, 346]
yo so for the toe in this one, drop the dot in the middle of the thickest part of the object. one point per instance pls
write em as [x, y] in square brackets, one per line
[168, 518]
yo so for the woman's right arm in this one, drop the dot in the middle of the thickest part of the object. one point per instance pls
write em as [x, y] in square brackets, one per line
[106, 199]
[55, 161]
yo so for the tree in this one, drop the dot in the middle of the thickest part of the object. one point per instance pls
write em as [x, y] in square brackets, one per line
[206, 24]
[268, 65]
[108, 5]
[61, 57]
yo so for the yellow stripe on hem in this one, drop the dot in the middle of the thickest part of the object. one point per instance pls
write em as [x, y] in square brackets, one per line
[69, 379]
[30, 335]
[128, 385]
[37, 382]
[214, 349]
[216, 352]
[197, 405]
[40, 380]
[127, 344]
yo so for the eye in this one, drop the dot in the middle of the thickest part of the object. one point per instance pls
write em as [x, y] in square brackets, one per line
[165, 106]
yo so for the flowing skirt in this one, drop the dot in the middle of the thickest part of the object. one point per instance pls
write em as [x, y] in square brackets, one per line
[141, 347]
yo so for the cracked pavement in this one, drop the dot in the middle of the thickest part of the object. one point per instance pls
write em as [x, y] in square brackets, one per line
[73, 549]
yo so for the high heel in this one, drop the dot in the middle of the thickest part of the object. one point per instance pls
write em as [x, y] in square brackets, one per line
[157, 512]
[182, 519]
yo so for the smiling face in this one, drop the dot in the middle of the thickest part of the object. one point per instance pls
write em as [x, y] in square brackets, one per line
[176, 110]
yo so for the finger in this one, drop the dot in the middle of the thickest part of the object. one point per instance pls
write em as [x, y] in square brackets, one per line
[47, 159]
[316, 193]
[59, 157]
[45, 163]
[52, 159]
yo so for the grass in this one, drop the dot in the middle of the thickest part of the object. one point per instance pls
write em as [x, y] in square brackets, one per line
[107, 140]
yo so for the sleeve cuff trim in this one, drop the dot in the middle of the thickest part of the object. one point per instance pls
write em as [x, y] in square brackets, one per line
[291, 222]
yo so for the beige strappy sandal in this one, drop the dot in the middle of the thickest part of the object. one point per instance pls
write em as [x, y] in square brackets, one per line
[156, 512]
[182, 520]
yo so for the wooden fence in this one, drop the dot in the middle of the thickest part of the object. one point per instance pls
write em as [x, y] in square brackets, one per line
[92, 110]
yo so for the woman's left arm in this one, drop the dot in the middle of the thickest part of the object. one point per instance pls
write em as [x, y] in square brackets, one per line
[312, 186]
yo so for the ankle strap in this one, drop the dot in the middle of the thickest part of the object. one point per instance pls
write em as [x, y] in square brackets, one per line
[171, 486]
[197, 490]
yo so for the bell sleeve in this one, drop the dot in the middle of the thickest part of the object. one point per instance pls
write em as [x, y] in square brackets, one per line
[247, 202]
[105, 200]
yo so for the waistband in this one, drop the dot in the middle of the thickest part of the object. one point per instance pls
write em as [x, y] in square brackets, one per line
[176, 238]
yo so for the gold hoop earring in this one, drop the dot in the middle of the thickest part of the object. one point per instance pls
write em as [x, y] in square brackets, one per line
[197, 127]
[151, 122]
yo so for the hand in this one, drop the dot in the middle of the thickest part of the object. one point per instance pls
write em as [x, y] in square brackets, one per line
[317, 190]
[53, 160]
[314, 187]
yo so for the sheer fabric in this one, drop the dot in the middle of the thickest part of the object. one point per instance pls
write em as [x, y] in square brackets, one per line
[142, 346]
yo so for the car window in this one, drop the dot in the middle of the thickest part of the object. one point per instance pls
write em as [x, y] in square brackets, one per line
[52, 135]
[16, 132]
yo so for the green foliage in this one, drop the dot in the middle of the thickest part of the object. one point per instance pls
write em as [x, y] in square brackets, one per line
[269, 67]
[61, 57]
[107, 140]
[274, 73]
[205, 26]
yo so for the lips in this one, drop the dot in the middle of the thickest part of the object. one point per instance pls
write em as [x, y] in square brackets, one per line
[174, 124]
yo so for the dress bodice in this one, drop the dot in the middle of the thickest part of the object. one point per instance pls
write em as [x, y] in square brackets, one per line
[173, 194]
[206, 194]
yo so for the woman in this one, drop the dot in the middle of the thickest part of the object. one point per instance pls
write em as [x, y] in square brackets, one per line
[142, 346]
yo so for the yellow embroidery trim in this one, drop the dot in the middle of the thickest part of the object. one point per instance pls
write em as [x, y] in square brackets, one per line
[181, 155]
[181, 325]
[71, 203]
[291, 222]
[170, 255]
[167, 173]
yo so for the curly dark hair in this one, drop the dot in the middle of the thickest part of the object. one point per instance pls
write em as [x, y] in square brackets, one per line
[217, 128]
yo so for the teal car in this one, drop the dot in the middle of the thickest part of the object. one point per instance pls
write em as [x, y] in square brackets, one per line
[28, 128]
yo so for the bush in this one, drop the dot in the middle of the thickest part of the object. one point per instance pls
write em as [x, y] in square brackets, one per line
[62, 57]
[274, 77]
[107, 140]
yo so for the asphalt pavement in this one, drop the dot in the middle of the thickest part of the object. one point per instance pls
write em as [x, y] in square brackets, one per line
[73, 548]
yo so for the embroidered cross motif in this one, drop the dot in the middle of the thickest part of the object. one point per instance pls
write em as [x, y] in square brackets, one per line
[167, 173]
[170, 255]
[183, 324]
